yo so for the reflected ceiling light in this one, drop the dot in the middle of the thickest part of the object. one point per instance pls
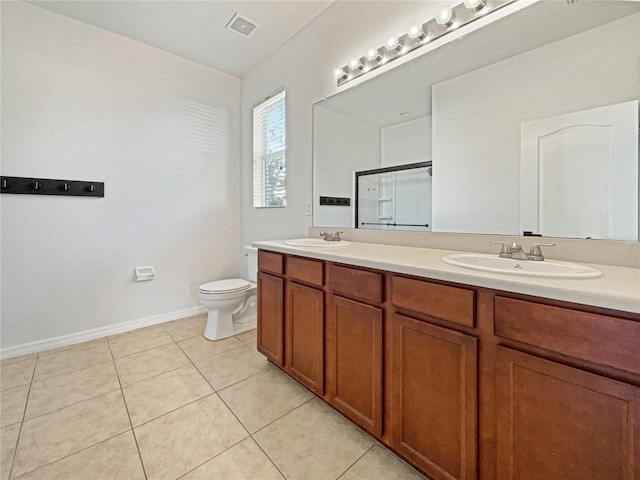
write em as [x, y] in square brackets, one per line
[475, 5]
[340, 73]
[416, 32]
[356, 64]
[418, 36]
[393, 44]
[445, 18]
[373, 55]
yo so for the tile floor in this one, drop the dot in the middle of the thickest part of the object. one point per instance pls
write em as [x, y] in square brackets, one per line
[165, 403]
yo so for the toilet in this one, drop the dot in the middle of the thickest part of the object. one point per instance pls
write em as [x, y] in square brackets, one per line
[231, 302]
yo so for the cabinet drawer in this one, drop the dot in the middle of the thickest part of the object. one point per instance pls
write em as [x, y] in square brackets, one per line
[596, 338]
[456, 305]
[270, 262]
[305, 270]
[358, 283]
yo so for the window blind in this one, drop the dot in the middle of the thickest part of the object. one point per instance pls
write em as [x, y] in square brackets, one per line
[269, 152]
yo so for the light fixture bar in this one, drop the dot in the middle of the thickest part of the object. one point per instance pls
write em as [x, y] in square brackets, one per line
[419, 35]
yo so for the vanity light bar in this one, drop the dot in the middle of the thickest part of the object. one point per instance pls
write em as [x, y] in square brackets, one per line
[419, 35]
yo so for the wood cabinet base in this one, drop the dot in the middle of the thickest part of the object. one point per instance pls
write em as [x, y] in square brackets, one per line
[465, 383]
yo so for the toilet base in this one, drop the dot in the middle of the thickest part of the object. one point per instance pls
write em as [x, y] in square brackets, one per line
[222, 324]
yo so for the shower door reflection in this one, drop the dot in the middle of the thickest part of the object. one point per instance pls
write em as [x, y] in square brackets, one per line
[394, 198]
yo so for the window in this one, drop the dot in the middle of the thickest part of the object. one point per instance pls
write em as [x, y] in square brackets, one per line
[269, 152]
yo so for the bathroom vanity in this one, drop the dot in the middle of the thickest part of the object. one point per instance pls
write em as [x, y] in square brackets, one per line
[464, 374]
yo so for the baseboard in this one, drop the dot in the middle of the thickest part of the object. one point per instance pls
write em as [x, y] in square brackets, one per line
[86, 335]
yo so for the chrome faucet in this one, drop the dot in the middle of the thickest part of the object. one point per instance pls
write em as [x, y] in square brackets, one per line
[515, 251]
[535, 253]
[330, 237]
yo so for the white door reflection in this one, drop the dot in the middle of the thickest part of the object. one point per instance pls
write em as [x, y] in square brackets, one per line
[579, 174]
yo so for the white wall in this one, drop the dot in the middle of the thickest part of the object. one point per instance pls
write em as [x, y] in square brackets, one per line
[407, 142]
[304, 65]
[342, 145]
[162, 132]
[480, 146]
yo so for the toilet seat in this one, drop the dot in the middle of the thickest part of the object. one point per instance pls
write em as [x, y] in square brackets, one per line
[230, 285]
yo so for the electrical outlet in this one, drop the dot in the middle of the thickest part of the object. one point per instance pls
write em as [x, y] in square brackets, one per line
[307, 208]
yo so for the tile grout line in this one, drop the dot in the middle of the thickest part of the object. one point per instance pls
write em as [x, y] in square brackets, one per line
[251, 435]
[68, 348]
[356, 461]
[47, 413]
[217, 392]
[213, 355]
[70, 454]
[126, 407]
[71, 405]
[314, 396]
[235, 383]
[121, 389]
[152, 376]
[271, 459]
[215, 456]
[273, 462]
[209, 354]
[15, 450]
[175, 409]
[281, 416]
[142, 351]
[196, 367]
[69, 372]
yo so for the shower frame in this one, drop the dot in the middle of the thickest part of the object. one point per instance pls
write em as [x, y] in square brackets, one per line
[375, 171]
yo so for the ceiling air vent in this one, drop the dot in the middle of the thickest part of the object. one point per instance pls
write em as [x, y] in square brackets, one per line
[242, 26]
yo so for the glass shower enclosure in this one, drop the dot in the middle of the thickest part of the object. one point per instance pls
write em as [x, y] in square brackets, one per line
[394, 198]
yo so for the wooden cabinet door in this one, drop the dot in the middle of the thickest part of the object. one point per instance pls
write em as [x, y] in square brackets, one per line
[305, 335]
[559, 422]
[271, 317]
[356, 358]
[434, 400]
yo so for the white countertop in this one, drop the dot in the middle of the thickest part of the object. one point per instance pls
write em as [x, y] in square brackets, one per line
[617, 289]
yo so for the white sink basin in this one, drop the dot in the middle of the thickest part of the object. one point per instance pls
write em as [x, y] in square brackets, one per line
[315, 242]
[526, 268]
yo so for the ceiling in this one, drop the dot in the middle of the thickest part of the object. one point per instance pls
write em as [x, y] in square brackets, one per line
[196, 29]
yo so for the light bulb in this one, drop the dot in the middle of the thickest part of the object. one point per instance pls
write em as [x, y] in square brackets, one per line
[373, 55]
[339, 73]
[356, 64]
[475, 5]
[445, 18]
[417, 32]
[393, 44]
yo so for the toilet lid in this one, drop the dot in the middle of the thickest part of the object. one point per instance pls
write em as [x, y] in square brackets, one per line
[229, 285]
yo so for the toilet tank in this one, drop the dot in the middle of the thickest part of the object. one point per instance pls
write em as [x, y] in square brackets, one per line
[252, 262]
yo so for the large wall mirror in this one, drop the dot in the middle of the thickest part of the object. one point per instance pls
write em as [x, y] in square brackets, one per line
[530, 125]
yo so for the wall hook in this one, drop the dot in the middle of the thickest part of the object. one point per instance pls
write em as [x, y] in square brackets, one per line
[48, 186]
